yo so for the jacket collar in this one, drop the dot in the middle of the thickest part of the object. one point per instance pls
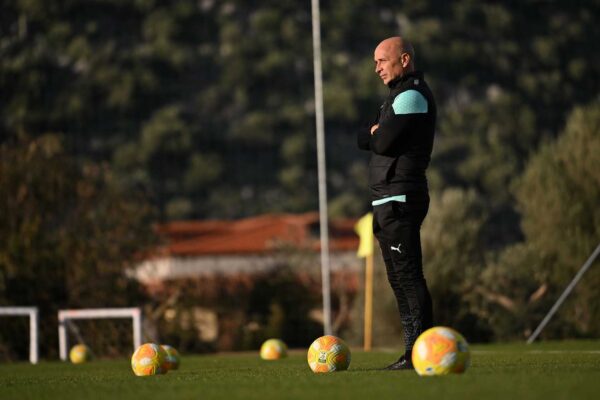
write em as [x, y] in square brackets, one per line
[401, 79]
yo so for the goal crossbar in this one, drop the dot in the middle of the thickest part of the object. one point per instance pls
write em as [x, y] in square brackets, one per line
[64, 316]
[32, 312]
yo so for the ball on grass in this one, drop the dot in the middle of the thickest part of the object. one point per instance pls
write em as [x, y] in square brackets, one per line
[172, 358]
[273, 349]
[148, 359]
[328, 354]
[80, 353]
[440, 351]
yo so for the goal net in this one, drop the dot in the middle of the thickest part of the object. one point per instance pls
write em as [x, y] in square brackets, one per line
[65, 317]
[32, 313]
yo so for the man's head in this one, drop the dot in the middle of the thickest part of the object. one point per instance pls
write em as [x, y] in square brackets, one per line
[393, 58]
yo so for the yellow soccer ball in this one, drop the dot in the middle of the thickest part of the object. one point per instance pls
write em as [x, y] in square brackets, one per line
[440, 351]
[328, 354]
[148, 359]
[80, 353]
[273, 349]
[172, 358]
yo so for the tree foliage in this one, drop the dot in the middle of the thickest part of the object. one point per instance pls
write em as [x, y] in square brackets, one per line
[454, 257]
[67, 232]
[209, 105]
[558, 198]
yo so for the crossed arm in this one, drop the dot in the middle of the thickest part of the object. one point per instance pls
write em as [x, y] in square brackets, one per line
[388, 137]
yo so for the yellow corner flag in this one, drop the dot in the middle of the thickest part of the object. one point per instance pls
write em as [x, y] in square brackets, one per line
[364, 229]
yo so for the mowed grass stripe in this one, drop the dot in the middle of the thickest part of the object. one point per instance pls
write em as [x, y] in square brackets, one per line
[559, 370]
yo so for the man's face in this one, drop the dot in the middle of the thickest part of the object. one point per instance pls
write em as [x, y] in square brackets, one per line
[388, 62]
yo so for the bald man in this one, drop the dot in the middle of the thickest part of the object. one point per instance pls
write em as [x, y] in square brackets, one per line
[400, 142]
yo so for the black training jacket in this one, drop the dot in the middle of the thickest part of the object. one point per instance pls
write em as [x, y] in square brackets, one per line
[401, 146]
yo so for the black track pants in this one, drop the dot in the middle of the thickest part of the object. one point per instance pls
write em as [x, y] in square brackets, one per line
[397, 227]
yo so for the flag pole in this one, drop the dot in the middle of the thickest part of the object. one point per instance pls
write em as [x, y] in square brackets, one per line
[364, 229]
[324, 228]
[368, 302]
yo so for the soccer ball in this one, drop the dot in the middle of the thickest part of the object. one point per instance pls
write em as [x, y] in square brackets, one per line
[80, 353]
[327, 354]
[148, 359]
[440, 351]
[171, 357]
[273, 349]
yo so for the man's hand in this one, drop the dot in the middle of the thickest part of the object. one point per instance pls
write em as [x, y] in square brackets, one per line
[374, 128]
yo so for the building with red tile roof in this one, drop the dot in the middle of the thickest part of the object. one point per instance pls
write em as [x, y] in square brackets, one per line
[199, 248]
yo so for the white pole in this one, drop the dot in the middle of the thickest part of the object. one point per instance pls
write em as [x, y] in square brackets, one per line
[33, 337]
[564, 295]
[137, 329]
[316, 33]
[62, 338]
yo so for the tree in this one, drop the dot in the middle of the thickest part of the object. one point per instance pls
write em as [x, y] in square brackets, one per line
[453, 258]
[67, 233]
[209, 105]
[558, 199]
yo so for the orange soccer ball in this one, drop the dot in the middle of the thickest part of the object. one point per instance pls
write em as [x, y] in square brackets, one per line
[440, 351]
[148, 359]
[328, 354]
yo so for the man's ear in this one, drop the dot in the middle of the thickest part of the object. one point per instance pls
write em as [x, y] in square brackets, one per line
[405, 57]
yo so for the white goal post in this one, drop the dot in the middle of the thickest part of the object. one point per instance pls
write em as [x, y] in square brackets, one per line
[97, 313]
[32, 312]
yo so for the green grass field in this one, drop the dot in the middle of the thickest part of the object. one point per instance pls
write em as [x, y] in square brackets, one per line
[554, 370]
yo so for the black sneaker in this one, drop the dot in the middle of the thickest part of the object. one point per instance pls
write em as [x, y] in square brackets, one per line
[403, 363]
